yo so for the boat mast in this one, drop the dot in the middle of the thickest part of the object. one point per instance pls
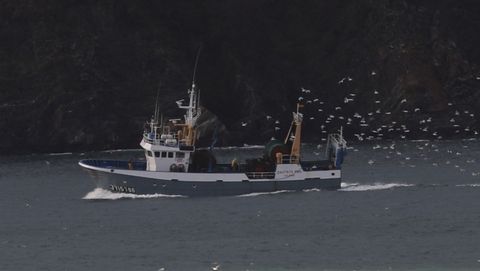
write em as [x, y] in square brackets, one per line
[297, 120]
[193, 109]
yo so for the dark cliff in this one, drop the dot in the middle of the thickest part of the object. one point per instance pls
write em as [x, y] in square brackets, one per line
[79, 75]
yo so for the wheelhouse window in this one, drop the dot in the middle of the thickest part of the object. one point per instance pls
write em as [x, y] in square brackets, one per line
[149, 154]
[157, 154]
[164, 154]
[180, 155]
[170, 154]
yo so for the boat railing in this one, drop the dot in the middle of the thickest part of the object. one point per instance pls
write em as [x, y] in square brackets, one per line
[156, 139]
[290, 159]
[115, 164]
[260, 175]
[337, 139]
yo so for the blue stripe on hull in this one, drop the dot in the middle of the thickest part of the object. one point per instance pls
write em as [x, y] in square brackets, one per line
[140, 185]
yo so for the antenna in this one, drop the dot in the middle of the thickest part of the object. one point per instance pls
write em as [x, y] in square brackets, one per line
[198, 99]
[157, 109]
[161, 123]
[195, 67]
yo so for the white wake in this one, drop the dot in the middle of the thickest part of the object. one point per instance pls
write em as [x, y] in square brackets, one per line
[265, 193]
[371, 187]
[469, 185]
[59, 153]
[99, 193]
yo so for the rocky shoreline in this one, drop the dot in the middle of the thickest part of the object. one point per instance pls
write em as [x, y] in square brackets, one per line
[83, 76]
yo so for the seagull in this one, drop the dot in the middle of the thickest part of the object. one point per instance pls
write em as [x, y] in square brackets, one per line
[375, 92]
[269, 117]
[373, 73]
[244, 124]
[416, 109]
[338, 108]
[359, 137]
[277, 122]
[341, 81]
[403, 101]
[306, 90]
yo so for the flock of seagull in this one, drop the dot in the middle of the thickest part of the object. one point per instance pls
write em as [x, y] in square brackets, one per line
[378, 125]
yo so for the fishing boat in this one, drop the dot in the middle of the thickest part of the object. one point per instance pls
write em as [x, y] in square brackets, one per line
[174, 166]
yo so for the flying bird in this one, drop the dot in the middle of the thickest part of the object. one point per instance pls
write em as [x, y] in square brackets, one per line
[306, 90]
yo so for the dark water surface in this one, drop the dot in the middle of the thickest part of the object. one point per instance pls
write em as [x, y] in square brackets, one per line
[410, 206]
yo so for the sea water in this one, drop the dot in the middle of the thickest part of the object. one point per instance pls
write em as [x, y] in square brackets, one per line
[403, 206]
